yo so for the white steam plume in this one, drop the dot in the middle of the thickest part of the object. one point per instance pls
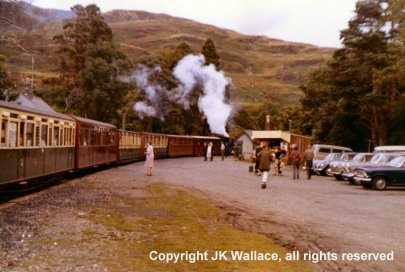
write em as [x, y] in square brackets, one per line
[154, 105]
[191, 70]
[144, 109]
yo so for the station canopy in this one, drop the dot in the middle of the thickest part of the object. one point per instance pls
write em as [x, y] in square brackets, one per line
[271, 134]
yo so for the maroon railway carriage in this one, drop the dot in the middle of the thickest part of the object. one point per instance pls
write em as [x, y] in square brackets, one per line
[131, 146]
[96, 143]
[180, 146]
[159, 142]
[34, 143]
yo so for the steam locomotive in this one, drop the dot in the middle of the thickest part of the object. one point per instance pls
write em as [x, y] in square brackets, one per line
[35, 144]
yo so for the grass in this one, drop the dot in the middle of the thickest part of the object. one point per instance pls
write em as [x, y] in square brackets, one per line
[170, 220]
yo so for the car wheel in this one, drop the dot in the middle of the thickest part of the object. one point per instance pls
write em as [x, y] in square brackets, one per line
[344, 178]
[338, 177]
[379, 183]
[351, 181]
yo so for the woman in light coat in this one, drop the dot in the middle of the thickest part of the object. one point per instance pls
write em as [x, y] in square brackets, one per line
[150, 156]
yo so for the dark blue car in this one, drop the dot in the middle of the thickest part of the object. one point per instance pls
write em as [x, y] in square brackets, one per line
[379, 177]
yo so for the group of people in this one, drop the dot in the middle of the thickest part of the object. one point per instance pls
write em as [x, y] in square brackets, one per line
[209, 152]
[265, 157]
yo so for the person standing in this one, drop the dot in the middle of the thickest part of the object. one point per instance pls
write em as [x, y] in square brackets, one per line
[295, 158]
[264, 163]
[257, 158]
[222, 150]
[209, 151]
[205, 149]
[308, 160]
[150, 156]
[277, 162]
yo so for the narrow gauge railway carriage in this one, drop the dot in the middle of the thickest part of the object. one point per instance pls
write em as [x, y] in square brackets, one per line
[131, 146]
[159, 142]
[96, 143]
[34, 143]
[180, 146]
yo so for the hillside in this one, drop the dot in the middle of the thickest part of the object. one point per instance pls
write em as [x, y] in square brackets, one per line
[261, 68]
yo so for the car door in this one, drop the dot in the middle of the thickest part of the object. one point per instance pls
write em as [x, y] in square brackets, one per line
[400, 175]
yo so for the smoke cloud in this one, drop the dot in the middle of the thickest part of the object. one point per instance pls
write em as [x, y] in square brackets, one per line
[191, 72]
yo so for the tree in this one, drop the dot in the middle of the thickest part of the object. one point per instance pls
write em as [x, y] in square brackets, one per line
[210, 53]
[8, 90]
[103, 92]
[91, 66]
[357, 89]
[87, 28]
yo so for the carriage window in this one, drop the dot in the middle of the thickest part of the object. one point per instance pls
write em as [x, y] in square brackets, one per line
[3, 132]
[30, 134]
[65, 136]
[69, 138]
[89, 137]
[56, 136]
[44, 135]
[83, 137]
[13, 134]
[111, 138]
[50, 137]
[37, 135]
[21, 134]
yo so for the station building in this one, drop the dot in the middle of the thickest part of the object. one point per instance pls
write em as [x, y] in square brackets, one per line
[249, 139]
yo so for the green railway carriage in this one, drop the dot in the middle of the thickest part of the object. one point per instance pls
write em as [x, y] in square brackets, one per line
[34, 143]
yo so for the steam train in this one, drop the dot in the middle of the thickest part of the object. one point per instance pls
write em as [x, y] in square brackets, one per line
[35, 144]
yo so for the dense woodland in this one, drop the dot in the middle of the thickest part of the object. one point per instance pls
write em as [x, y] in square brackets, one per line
[355, 99]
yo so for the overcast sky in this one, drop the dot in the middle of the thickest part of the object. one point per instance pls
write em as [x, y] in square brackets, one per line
[311, 21]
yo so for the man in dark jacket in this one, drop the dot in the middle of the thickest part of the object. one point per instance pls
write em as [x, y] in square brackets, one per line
[308, 160]
[264, 164]
[258, 149]
[295, 159]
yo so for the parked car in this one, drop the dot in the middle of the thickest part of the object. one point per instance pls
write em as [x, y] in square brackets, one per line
[338, 167]
[380, 176]
[377, 159]
[321, 151]
[389, 149]
[345, 157]
[322, 166]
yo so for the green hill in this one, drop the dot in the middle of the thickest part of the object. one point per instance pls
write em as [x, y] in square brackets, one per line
[261, 68]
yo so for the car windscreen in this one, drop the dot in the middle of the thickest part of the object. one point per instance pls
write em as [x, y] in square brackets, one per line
[358, 158]
[397, 162]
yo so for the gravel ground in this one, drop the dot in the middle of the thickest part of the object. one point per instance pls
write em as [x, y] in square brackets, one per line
[317, 215]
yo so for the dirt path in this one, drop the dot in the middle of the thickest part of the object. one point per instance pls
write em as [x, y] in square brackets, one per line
[317, 215]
